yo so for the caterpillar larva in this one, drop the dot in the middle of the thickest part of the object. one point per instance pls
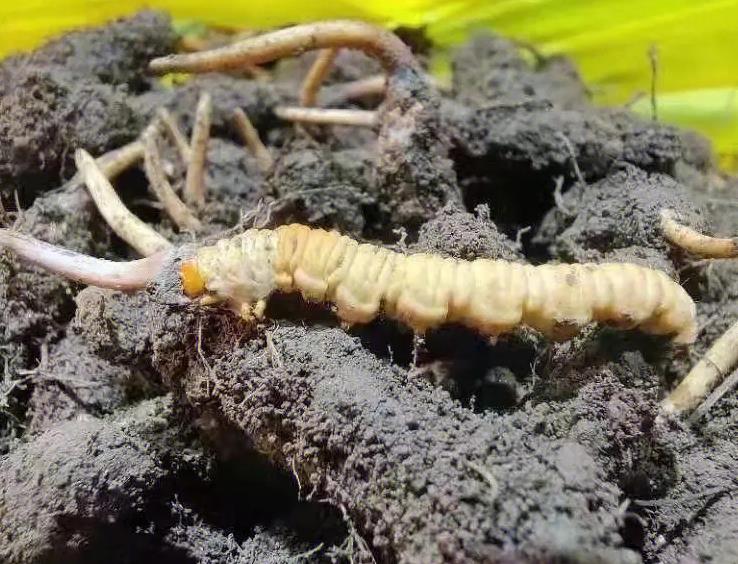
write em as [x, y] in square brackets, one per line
[424, 291]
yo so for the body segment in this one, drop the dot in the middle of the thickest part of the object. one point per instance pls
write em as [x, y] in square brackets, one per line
[424, 291]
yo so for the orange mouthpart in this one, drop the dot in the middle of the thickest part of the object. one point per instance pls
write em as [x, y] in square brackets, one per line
[192, 281]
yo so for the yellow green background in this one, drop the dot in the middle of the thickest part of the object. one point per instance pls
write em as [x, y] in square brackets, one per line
[696, 41]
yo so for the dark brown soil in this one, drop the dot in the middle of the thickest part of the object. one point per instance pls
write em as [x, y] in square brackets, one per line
[141, 428]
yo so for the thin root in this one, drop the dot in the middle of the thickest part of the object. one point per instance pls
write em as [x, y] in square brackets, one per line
[126, 276]
[316, 75]
[728, 384]
[374, 85]
[175, 208]
[328, 116]
[706, 374]
[126, 225]
[175, 133]
[695, 243]
[251, 139]
[114, 162]
[373, 40]
[194, 190]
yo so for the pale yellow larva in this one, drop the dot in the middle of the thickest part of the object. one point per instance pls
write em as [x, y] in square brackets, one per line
[425, 290]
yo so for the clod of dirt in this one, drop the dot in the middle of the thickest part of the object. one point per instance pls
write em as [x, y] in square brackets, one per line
[73, 93]
[73, 381]
[56, 490]
[325, 188]
[456, 233]
[617, 219]
[414, 176]
[489, 69]
[257, 99]
[116, 54]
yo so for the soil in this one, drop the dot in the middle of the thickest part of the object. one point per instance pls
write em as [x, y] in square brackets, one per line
[141, 428]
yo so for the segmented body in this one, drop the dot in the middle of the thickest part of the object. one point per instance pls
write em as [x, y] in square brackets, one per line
[424, 290]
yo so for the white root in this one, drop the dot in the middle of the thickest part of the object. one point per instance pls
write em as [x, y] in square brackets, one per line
[253, 142]
[328, 116]
[316, 75]
[127, 276]
[126, 225]
[194, 190]
[706, 374]
[175, 134]
[696, 243]
[175, 208]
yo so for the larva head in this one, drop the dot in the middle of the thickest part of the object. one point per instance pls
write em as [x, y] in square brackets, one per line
[192, 279]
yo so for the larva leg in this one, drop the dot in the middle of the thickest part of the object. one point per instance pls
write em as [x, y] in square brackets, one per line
[328, 116]
[194, 190]
[173, 206]
[316, 75]
[695, 243]
[706, 374]
[126, 225]
[253, 142]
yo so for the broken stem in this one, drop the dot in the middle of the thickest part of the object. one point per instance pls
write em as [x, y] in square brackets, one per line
[175, 133]
[316, 75]
[706, 374]
[194, 190]
[126, 276]
[251, 139]
[173, 206]
[373, 40]
[126, 225]
[693, 242]
[328, 116]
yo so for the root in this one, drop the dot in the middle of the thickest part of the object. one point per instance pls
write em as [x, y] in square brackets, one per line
[706, 374]
[251, 139]
[175, 133]
[114, 162]
[126, 225]
[194, 190]
[328, 116]
[373, 40]
[695, 243]
[316, 75]
[374, 85]
[728, 384]
[126, 276]
[175, 208]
